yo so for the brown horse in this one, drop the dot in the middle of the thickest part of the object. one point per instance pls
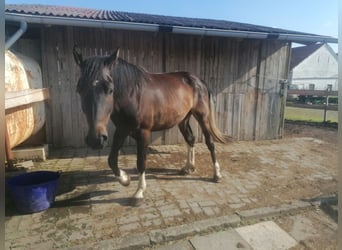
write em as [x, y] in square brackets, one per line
[139, 102]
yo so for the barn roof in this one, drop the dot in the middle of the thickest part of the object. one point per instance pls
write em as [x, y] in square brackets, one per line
[298, 54]
[62, 15]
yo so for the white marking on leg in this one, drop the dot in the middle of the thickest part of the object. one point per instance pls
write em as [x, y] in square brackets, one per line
[217, 171]
[124, 178]
[190, 163]
[191, 155]
[139, 194]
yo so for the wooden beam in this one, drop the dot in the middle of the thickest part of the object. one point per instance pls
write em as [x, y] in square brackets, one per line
[15, 99]
[31, 153]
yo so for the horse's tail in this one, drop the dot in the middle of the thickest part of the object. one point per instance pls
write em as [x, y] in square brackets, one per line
[214, 131]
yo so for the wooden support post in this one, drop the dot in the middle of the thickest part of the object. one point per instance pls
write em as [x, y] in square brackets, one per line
[9, 155]
[326, 108]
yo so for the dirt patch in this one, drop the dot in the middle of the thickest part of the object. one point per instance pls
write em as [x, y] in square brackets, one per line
[321, 132]
[312, 229]
[323, 235]
[293, 160]
[301, 166]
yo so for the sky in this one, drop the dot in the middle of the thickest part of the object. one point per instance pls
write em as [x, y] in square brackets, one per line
[317, 17]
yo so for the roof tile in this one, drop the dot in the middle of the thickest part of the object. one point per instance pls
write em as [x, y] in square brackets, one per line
[107, 15]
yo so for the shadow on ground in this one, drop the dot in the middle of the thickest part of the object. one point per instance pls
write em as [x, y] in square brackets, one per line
[80, 187]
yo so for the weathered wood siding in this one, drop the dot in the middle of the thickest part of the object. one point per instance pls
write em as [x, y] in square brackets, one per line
[242, 74]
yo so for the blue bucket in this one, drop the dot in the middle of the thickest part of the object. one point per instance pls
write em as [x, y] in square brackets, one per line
[35, 191]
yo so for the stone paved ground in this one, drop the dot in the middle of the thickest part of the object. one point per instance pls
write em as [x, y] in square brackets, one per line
[92, 207]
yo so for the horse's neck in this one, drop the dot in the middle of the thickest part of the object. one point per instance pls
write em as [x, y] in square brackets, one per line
[127, 79]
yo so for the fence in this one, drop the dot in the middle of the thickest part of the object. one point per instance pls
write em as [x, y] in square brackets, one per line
[320, 93]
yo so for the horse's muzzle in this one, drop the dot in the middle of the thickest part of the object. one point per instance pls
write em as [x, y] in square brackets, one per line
[97, 143]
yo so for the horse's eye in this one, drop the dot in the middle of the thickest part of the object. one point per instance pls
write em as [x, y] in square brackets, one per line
[109, 89]
[95, 83]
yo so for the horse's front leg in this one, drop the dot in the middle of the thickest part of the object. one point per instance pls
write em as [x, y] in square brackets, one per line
[190, 163]
[142, 138]
[118, 140]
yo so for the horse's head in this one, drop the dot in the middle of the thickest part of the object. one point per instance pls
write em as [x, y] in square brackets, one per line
[95, 87]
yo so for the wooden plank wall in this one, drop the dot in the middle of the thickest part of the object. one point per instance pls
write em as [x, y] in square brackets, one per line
[242, 74]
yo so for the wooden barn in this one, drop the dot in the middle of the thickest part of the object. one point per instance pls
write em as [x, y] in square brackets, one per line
[246, 66]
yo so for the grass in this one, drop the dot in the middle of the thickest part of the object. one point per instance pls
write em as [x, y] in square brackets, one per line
[311, 115]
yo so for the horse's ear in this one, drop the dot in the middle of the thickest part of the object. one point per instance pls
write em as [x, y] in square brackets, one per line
[77, 55]
[111, 60]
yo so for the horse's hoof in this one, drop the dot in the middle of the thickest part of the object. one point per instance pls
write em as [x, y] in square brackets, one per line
[187, 170]
[217, 179]
[125, 180]
[136, 202]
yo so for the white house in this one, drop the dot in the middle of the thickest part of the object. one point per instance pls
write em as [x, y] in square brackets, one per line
[314, 67]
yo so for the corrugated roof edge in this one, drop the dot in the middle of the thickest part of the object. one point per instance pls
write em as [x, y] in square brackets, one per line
[32, 15]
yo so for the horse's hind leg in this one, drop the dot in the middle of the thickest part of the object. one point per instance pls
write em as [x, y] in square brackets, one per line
[204, 123]
[186, 131]
[216, 165]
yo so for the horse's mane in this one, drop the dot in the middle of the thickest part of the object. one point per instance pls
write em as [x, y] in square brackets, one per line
[127, 77]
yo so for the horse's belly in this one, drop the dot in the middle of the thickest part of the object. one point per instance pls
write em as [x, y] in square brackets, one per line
[166, 121]
[166, 110]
